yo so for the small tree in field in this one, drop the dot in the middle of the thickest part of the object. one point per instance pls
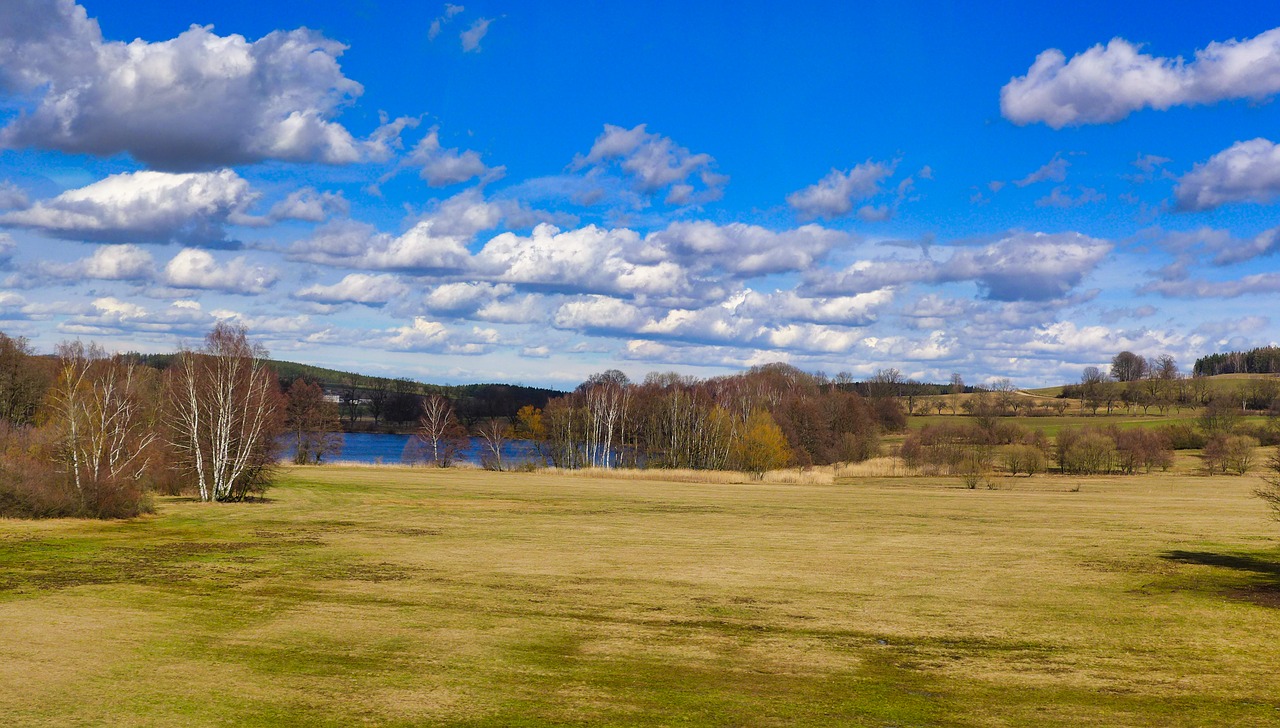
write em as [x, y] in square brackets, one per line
[493, 436]
[440, 438]
[312, 423]
[224, 415]
[762, 446]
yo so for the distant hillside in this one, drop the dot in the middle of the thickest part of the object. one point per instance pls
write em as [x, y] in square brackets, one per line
[472, 402]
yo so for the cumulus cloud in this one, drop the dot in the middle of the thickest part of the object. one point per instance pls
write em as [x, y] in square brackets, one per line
[195, 268]
[1020, 267]
[747, 250]
[1107, 83]
[438, 24]
[437, 242]
[108, 262]
[472, 36]
[372, 290]
[653, 162]
[309, 205]
[589, 260]
[143, 207]
[425, 335]
[464, 297]
[442, 167]
[835, 194]
[1247, 171]
[110, 315]
[196, 101]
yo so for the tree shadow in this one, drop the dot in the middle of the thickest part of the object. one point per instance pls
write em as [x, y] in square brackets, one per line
[1251, 564]
[1264, 591]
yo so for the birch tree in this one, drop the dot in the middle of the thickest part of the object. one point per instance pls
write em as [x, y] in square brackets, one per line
[104, 437]
[440, 437]
[224, 415]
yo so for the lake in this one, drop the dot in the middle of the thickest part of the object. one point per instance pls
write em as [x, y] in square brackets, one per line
[371, 447]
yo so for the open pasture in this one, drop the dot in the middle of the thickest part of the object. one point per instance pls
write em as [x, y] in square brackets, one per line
[421, 597]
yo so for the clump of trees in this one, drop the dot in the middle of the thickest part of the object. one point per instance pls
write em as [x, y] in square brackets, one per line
[1098, 450]
[768, 417]
[91, 434]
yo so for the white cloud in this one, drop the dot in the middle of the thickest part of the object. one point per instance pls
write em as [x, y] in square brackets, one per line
[464, 297]
[108, 262]
[309, 205]
[472, 36]
[443, 167]
[437, 242]
[194, 268]
[373, 290]
[834, 195]
[1020, 267]
[653, 162]
[599, 313]
[425, 335]
[109, 315]
[143, 207]
[1107, 83]
[1245, 172]
[199, 100]
[747, 250]
[589, 260]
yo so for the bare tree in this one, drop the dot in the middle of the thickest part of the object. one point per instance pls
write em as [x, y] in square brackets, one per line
[224, 415]
[98, 410]
[493, 434]
[312, 423]
[22, 381]
[439, 435]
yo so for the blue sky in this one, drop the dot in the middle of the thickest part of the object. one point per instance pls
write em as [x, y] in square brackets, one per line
[536, 192]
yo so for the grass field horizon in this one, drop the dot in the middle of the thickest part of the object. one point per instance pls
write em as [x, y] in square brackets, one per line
[404, 596]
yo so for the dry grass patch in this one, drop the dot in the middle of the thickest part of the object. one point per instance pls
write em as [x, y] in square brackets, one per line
[860, 597]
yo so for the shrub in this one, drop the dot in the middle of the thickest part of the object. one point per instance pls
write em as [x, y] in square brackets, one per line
[1231, 454]
[1024, 459]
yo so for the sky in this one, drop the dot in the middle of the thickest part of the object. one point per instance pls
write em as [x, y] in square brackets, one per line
[535, 192]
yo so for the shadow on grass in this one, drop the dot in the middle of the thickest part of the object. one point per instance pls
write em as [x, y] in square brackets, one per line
[1262, 567]
[1264, 591]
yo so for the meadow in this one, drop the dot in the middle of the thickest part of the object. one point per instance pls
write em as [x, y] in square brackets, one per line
[396, 596]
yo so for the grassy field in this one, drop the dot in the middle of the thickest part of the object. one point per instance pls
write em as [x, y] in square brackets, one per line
[419, 597]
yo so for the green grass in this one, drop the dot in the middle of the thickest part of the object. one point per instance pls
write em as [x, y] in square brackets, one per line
[420, 597]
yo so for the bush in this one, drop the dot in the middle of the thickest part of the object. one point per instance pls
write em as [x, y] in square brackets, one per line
[1184, 436]
[1027, 459]
[1229, 454]
[1087, 452]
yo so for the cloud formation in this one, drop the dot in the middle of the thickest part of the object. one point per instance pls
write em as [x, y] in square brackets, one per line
[653, 162]
[834, 195]
[1246, 171]
[1107, 83]
[151, 207]
[1020, 267]
[195, 268]
[197, 101]
[442, 167]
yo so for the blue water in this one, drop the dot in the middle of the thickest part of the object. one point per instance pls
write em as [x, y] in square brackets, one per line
[366, 447]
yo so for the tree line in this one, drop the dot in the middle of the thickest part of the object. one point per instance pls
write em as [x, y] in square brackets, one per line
[1262, 360]
[768, 417]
